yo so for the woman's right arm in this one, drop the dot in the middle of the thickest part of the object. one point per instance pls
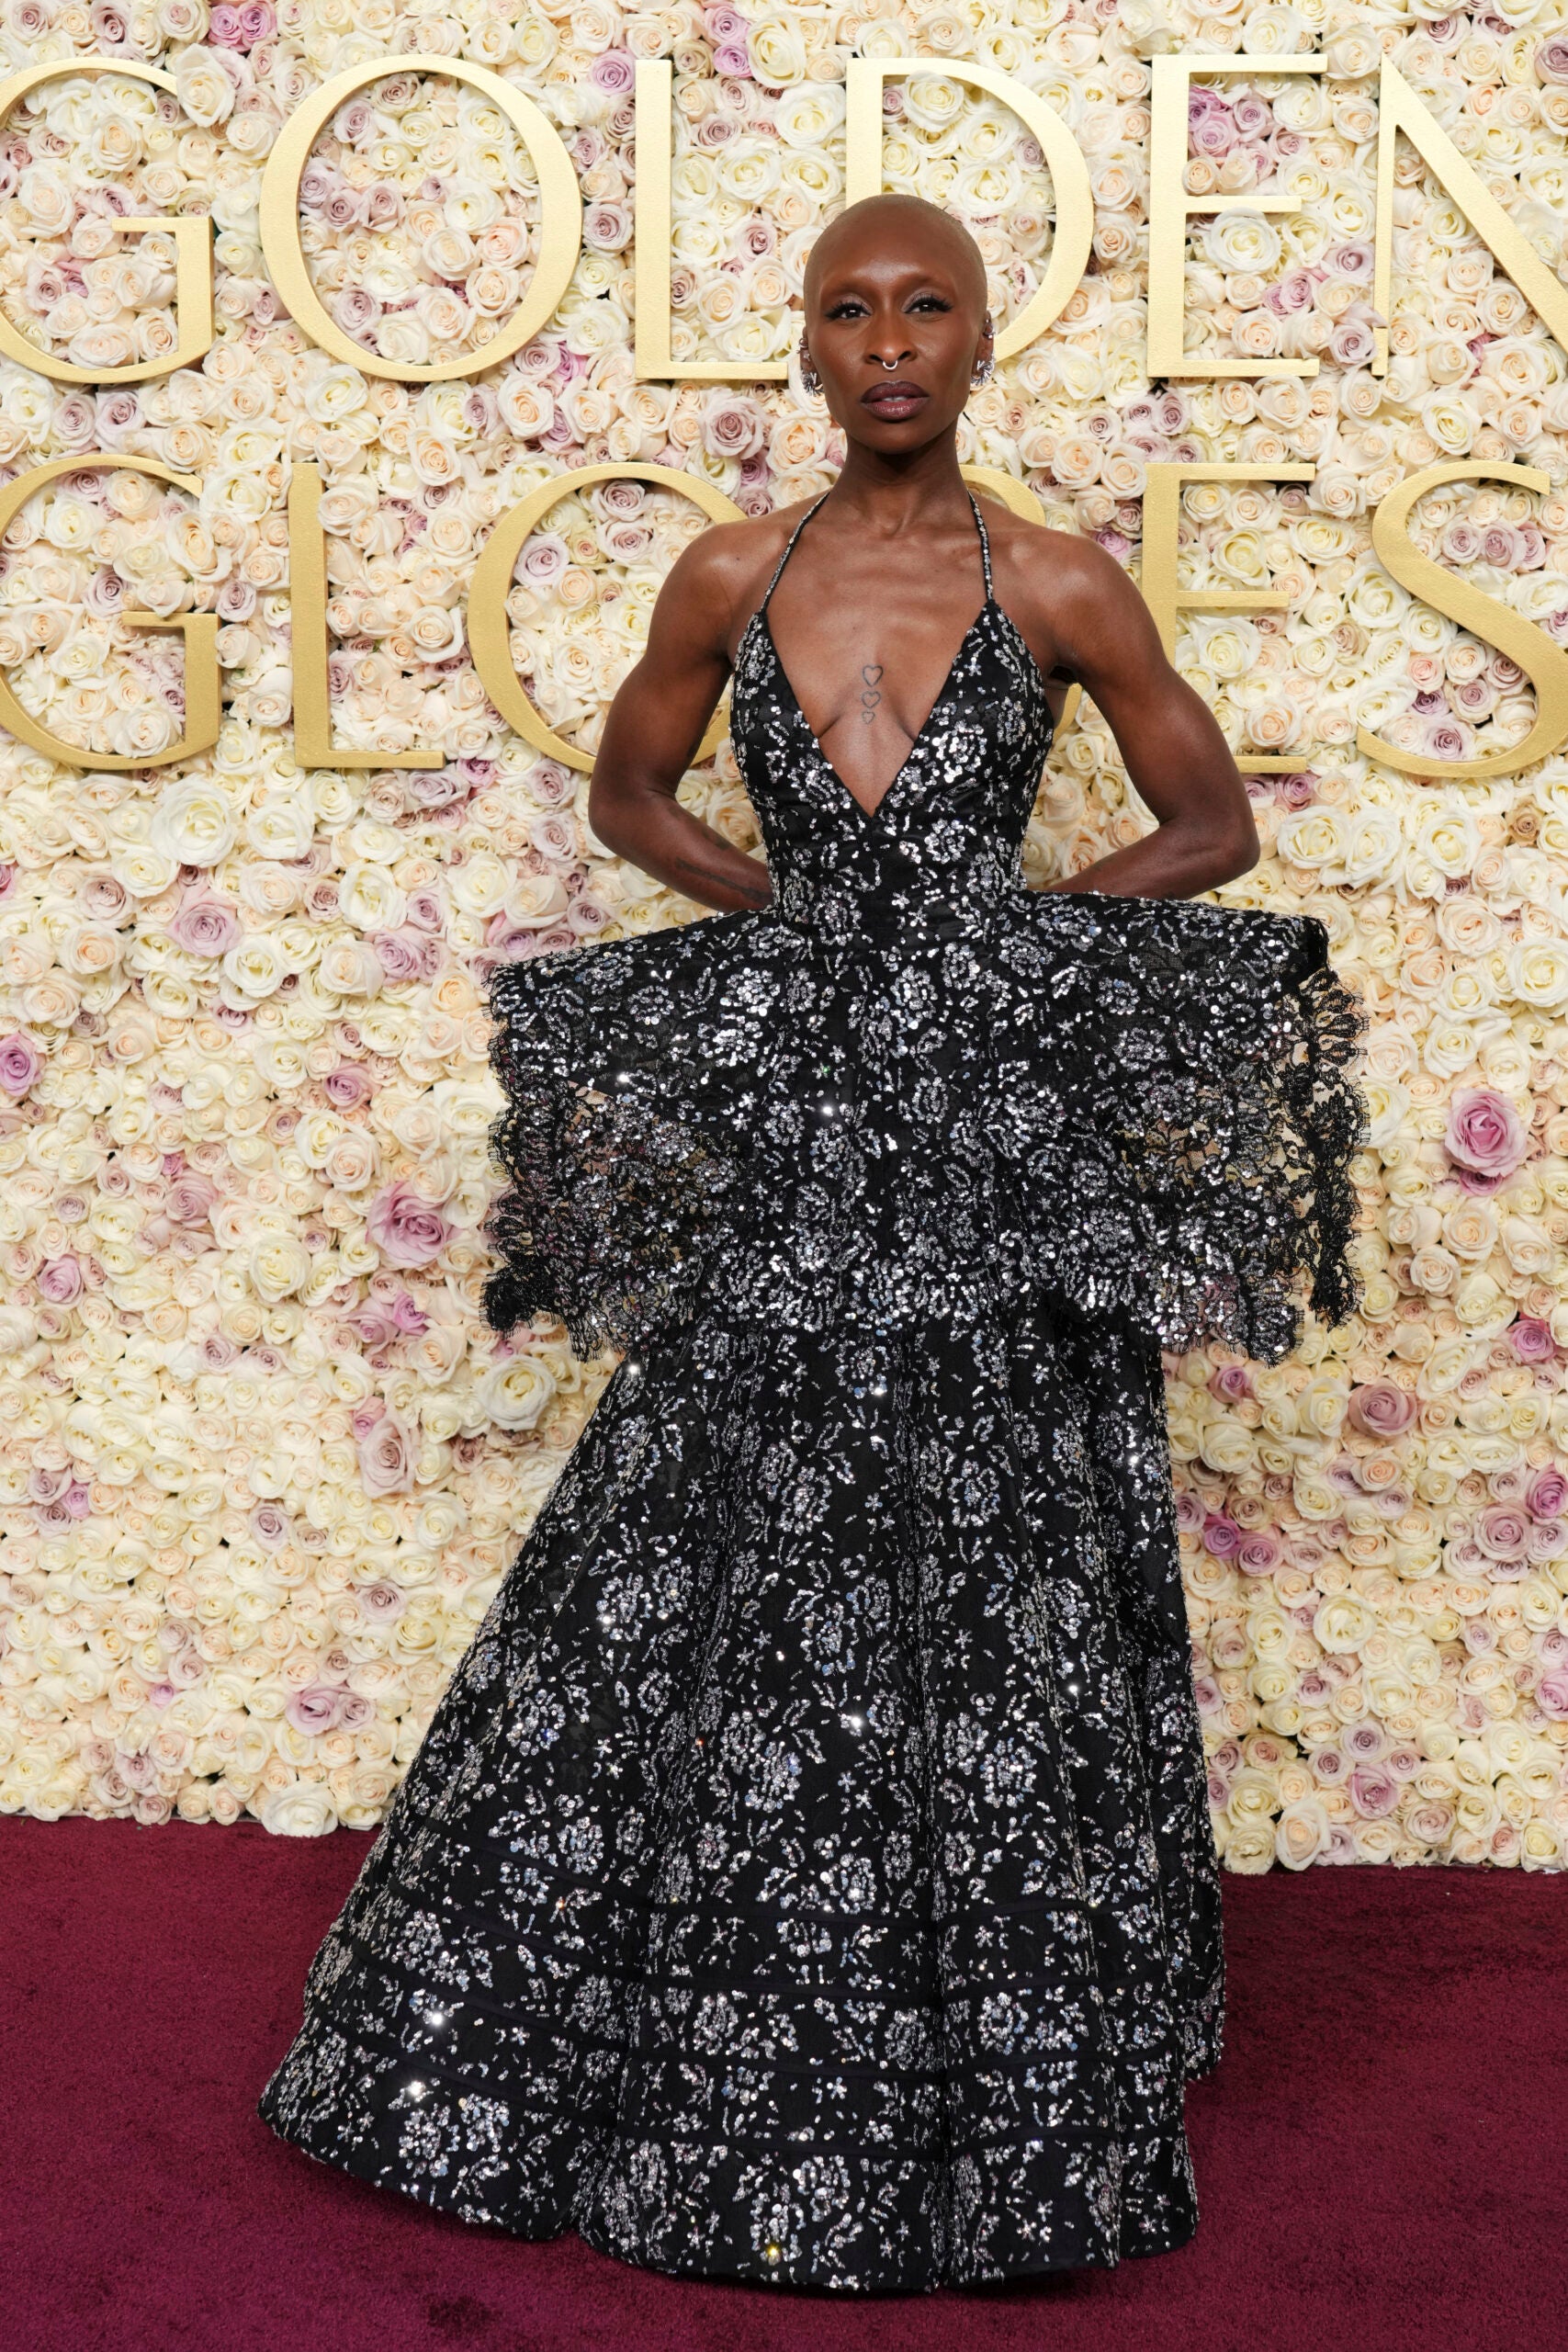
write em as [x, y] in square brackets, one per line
[655, 723]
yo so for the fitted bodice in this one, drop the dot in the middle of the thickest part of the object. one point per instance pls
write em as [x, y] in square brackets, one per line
[945, 837]
[910, 1086]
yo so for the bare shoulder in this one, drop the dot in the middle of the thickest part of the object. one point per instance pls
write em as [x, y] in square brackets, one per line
[1068, 589]
[725, 571]
[1032, 553]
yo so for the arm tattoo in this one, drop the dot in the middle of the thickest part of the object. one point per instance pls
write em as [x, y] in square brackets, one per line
[758, 894]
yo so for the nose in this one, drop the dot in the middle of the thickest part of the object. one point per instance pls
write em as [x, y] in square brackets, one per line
[887, 345]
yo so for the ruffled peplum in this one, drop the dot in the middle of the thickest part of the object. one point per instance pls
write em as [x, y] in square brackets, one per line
[928, 1106]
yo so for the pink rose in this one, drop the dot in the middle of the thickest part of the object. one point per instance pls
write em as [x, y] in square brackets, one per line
[269, 1525]
[346, 1086]
[424, 909]
[405, 1226]
[20, 1063]
[1231, 1384]
[315, 1709]
[59, 1281]
[1552, 1693]
[1485, 1139]
[1501, 1532]
[1382, 1410]
[373, 1327]
[1374, 1791]
[399, 959]
[1531, 1340]
[189, 1200]
[386, 1457]
[1222, 1536]
[205, 927]
[1211, 129]
[383, 1603]
[1546, 1493]
[1258, 1554]
[409, 1316]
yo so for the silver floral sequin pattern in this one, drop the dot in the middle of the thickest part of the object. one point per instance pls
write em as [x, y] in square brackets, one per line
[806, 1875]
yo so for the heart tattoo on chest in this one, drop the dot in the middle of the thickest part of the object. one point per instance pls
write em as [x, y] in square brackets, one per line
[870, 698]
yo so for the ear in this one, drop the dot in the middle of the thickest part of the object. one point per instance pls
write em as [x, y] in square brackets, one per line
[984, 351]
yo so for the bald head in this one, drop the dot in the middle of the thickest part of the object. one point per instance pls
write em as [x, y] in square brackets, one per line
[906, 225]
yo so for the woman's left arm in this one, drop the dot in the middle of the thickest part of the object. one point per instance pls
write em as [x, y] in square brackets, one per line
[1175, 754]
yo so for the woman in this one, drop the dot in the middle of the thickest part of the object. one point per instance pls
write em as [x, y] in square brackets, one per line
[806, 1876]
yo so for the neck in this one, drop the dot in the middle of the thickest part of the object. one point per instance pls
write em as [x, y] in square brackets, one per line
[895, 493]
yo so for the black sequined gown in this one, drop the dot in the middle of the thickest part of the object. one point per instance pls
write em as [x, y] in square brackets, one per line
[806, 1875]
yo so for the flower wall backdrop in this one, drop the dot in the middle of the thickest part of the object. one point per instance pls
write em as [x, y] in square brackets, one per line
[261, 1462]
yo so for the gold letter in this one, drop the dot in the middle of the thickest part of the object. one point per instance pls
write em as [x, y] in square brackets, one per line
[1170, 206]
[1544, 663]
[490, 635]
[1166, 599]
[313, 744]
[863, 78]
[655, 82]
[202, 706]
[560, 218]
[193, 261]
[1399, 109]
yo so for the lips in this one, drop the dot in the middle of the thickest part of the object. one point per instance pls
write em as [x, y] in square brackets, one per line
[893, 402]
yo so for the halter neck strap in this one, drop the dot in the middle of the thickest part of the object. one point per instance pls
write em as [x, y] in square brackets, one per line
[789, 550]
[985, 542]
[789, 546]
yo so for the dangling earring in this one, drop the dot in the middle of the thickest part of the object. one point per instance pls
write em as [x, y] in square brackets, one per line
[981, 371]
[811, 382]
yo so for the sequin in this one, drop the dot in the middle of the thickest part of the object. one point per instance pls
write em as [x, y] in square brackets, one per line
[806, 1875]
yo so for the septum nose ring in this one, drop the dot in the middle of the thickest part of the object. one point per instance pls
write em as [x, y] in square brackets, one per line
[888, 363]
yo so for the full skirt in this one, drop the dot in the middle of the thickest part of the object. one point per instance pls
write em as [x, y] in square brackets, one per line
[806, 1876]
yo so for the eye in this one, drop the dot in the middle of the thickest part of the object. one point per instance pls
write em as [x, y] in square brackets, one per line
[929, 302]
[847, 306]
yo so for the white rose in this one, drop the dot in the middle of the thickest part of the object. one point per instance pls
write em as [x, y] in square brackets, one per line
[514, 1394]
[256, 967]
[278, 1265]
[480, 884]
[206, 92]
[306, 1810]
[1537, 972]
[1342, 1623]
[195, 824]
[808, 113]
[280, 829]
[1246, 242]
[369, 899]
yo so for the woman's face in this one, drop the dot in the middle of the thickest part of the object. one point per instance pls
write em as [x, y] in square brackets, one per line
[895, 328]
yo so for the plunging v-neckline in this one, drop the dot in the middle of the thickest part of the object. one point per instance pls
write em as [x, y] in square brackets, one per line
[915, 740]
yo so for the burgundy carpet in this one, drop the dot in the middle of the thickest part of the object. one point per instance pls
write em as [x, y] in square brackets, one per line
[1382, 2158]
